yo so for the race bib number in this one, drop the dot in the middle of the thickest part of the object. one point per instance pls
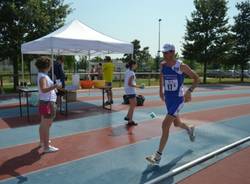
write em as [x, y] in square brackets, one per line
[171, 85]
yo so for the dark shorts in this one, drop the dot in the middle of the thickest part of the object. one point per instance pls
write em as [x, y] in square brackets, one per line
[53, 107]
[131, 96]
[108, 84]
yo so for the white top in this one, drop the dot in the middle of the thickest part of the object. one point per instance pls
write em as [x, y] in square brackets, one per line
[49, 96]
[128, 89]
[177, 67]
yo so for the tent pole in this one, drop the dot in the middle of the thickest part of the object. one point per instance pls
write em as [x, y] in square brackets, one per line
[52, 67]
[89, 65]
[22, 70]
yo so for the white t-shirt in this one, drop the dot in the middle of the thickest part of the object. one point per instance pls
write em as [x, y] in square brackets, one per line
[128, 89]
[49, 96]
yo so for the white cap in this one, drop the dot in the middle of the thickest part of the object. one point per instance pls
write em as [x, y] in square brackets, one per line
[168, 47]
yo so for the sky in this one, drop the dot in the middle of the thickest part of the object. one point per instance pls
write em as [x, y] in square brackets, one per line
[127, 20]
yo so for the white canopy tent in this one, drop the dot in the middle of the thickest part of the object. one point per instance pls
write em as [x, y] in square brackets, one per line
[75, 38]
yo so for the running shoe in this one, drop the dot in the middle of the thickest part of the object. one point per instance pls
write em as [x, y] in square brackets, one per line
[191, 133]
[154, 159]
[50, 149]
[126, 118]
[132, 123]
[107, 103]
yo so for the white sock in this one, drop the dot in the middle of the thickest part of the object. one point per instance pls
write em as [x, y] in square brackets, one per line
[158, 155]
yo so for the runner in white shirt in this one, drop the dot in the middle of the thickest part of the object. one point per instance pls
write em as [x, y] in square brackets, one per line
[129, 87]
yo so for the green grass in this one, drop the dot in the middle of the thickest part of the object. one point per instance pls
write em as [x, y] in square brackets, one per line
[8, 89]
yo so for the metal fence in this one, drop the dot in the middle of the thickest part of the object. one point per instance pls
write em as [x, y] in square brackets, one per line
[147, 78]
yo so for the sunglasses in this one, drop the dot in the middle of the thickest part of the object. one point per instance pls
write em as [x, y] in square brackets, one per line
[170, 51]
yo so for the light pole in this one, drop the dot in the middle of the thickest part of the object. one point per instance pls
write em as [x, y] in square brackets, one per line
[159, 45]
[159, 38]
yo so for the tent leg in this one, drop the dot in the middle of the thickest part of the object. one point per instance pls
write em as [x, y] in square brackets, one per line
[22, 83]
[52, 67]
[89, 66]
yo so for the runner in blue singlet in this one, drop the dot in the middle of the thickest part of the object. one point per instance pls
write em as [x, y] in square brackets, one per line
[172, 92]
[173, 79]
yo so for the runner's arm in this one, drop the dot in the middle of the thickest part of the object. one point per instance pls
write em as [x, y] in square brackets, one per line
[161, 83]
[43, 85]
[130, 81]
[192, 74]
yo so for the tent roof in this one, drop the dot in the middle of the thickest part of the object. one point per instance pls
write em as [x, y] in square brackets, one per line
[76, 38]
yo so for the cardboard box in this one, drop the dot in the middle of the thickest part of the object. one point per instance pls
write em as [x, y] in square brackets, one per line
[71, 95]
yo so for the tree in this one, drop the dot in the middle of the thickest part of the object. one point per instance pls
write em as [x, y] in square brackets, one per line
[97, 59]
[241, 30]
[206, 37]
[25, 20]
[141, 56]
[136, 52]
[82, 66]
[145, 59]
[69, 63]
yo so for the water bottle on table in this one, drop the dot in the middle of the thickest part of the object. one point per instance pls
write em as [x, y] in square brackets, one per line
[58, 82]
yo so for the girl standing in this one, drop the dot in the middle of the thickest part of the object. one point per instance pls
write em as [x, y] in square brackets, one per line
[129, 87]
[47, 102]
